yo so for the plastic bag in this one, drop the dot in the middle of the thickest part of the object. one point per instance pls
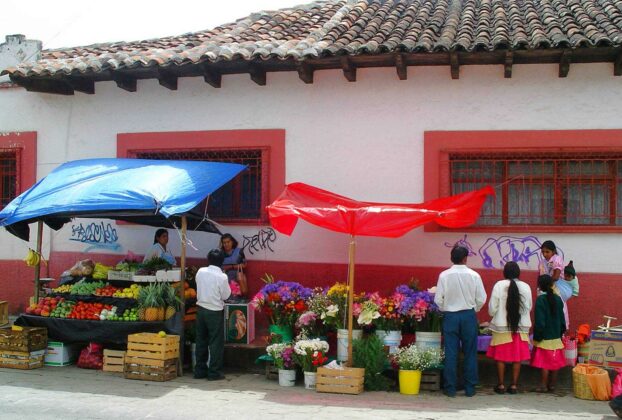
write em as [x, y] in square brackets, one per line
[92, 357]
[616, 388]
[570, 350]
[80, 269]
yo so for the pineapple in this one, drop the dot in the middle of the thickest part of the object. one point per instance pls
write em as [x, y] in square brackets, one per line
[141, 314]
[148, 301]
[171, 300]
[170, 312]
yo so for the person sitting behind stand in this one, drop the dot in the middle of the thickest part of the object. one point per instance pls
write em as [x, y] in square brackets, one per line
[570, 275]
[234, 261]
[212, 291]
[158, 249]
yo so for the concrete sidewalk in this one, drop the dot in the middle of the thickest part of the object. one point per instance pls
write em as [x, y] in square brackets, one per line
[72, 393]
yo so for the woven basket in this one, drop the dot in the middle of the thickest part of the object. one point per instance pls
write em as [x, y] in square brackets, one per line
[581, 387]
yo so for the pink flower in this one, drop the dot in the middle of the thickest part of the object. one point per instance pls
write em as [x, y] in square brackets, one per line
[356, 309]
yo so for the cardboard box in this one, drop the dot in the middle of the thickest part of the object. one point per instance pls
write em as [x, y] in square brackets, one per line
[61, 354]
[606, 349]
[239, 323]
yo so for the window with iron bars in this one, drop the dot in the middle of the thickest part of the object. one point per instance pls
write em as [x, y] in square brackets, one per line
[238, 200]
[8, 177]
[564, 190]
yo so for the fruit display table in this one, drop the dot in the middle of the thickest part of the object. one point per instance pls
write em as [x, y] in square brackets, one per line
[113, 332]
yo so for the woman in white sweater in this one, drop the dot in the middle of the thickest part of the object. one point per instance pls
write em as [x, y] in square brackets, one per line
[509, 307]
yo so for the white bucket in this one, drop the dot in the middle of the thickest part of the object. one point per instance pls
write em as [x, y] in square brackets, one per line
[287, 377]
[381, 334]
[392, 340]
[342, 342]
[310, 380]
[428, 340]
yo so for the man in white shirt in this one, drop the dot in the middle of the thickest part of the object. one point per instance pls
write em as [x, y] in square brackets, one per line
[459, 295]
[212, 291]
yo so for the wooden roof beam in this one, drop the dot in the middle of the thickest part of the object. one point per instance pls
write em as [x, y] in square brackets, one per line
[507, 66]
[454, 63]
[617, 65]
[258, 74]
[349, 69]
[167, 79]
[305, 72]
[125, 82]
[212, 77]
[400, 67]
[564, 63]
[59, 87]
[82, 85]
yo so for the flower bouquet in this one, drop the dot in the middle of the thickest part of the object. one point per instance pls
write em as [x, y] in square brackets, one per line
[283, 302]
[336, 312]
[389, 318]
[417, 358]
[419, 309]
[310, 354]
[282, 354]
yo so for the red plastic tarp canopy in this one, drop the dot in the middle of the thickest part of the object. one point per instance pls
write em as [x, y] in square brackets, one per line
[360, 218]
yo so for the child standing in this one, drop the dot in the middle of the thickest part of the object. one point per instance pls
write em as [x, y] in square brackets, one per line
[553, 265]
[548, 352]
[570, 276]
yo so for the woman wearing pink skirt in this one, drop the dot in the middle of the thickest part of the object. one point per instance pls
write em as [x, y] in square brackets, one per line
[548, 352]
[509, 306]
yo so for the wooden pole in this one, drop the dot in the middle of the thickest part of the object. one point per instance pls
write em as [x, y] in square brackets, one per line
[182, 265]
[38, 266]
[350, 296]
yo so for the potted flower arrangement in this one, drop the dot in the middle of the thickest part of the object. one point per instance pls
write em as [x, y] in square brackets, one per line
[282, 302]
[283, 356]
[419, 307]
[389, 322]
[412, 361]
[320, 316]
[336, 314]
[310, 354]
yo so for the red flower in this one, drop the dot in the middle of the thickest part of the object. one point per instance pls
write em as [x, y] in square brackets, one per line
[300, 306]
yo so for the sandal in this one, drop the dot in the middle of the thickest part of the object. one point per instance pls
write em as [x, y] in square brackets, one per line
[540, 390]
[551, 389]
[513, 389]
[499, 389]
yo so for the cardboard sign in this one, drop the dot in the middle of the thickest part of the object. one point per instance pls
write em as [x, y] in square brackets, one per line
[606, 349]
[239, 323]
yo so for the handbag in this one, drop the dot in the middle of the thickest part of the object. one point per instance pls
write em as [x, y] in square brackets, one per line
[241, 277]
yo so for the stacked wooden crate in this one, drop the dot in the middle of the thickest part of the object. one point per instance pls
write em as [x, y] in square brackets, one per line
[23, 347]
[340, 381]
[4, 313]
[431, 380]
[114, 360]
[151, 357]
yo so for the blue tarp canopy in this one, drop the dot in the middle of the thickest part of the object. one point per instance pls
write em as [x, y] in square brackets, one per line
[149, 192]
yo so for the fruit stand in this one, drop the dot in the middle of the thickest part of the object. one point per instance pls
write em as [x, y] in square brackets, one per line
[99, 188]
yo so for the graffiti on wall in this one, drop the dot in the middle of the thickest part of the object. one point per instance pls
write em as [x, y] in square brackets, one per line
[96, 235]
[261, 241]
[496, 251]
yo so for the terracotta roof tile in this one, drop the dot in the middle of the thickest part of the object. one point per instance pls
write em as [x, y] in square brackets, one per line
[354, 27]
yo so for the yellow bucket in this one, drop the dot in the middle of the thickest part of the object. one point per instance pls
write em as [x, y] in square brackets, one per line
[409, 381]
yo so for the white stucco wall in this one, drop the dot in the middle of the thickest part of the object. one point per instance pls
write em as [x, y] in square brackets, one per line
[363, 140]
[17, 49]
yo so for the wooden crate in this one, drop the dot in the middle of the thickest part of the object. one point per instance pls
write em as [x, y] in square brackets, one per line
[21, 360]
[150, 369]
[27, 340]
[431, 380]
[4, 312]
[152, 346]
[340, 381]
[114, 360]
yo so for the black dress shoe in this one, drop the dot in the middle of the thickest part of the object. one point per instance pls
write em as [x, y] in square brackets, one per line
[216, 378]
[200, 376]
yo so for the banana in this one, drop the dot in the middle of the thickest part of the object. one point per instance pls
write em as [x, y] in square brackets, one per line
[32, 258]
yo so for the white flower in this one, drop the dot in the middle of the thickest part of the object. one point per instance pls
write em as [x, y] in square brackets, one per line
[331, 311]
[301, 347]
[367, 316]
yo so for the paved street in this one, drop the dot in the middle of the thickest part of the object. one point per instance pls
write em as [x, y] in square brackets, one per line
[72, 393]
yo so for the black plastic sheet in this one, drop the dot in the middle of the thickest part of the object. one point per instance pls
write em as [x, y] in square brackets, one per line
[113, 332]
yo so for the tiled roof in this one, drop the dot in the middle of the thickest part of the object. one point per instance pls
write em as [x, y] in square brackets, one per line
[365, 27]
